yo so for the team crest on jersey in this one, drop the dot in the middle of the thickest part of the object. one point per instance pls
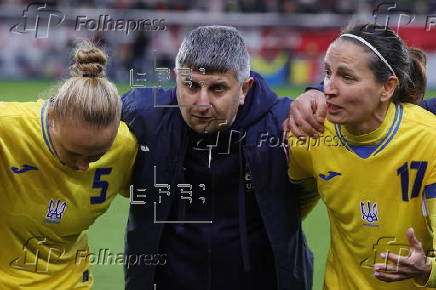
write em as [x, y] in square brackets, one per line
[369, 213]
[55, 211]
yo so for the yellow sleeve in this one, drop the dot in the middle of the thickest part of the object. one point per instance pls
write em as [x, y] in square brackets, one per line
[129, 150]
[300, 161]
[301, 172]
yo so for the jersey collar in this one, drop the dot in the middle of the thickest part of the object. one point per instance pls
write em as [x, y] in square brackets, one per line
[45, 128]
[379, 138]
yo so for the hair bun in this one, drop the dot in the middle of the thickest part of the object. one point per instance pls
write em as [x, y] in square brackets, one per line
[89, 60]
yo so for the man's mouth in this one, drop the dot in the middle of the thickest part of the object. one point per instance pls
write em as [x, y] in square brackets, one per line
[202, 118]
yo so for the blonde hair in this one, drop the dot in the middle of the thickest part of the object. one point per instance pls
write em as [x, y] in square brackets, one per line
[87, 95]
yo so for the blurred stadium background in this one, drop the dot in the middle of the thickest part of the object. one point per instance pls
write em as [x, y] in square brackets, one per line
[286, 40]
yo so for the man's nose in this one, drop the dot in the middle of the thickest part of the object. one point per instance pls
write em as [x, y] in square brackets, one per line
[203, 100]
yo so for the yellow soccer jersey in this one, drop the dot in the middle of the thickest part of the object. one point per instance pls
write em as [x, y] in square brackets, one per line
[46, 207]
[375, 187]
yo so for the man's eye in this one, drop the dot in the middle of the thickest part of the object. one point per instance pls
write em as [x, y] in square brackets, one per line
[190, 84]
[187, 84]
[327, 73]
[218, 89]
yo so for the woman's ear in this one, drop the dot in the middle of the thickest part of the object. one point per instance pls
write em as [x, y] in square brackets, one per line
[389, 88]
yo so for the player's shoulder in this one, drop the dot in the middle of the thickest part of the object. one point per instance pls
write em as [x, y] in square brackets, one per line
[325, 142]
[12, 114]
[125, 140]
[124, 133]
[123, 149]
[20, 109]
[418, 119]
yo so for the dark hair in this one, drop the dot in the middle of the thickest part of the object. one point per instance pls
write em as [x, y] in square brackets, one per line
[418, 72]
[408, 64]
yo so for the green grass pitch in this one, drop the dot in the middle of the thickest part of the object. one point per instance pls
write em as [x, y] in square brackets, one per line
[108, 231]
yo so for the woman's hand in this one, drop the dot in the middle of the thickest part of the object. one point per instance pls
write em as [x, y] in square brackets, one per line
[416, 265]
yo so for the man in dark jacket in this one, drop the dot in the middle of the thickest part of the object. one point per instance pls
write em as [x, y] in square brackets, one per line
[212, 206]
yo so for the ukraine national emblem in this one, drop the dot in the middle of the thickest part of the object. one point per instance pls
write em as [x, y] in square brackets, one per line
[56, 209]
[369, 211]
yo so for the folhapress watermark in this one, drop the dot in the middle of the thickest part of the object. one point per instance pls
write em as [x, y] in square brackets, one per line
[42, 255]
[105, 23]
[38, 19]
[387, 14]
[272, 141]
[106, 257]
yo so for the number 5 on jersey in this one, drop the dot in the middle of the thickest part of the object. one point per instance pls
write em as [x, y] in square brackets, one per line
[98, 183]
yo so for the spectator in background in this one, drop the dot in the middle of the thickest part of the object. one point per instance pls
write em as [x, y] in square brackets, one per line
[140, 58]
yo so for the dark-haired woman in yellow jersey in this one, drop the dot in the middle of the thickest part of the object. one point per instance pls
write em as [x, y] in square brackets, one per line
[379, 182]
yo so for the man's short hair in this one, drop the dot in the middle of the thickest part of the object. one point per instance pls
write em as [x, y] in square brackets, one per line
[217, 49]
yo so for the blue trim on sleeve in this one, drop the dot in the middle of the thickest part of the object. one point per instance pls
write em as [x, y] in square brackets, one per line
[430, 191]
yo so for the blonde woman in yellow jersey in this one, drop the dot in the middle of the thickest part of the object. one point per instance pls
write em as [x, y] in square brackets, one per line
[375, 165]
[62, 163]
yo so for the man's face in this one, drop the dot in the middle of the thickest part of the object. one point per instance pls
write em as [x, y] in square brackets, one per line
[209, 102]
